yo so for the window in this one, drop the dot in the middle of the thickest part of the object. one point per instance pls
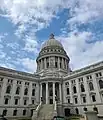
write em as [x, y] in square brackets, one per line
[101, 84]
[1, 79]
[24, 112]
[77, 111]
[98, 74]
[68, 100]
[91, 86]
[89, 77]
[67, 91]
[56, 64]
[25, 102]
[26, 91]
[33, 92]
[76, 101]
[16, 101]
[67, 83]
[18, 82]
[4, 112]
[10, 81]
[82, 88]
[85, 109]
[8, 89]
[47, 64]
[27, 83]
[14, 112]
[6, 101]
[74, 89]
[18, 90]
[95, 109]
[32, 101]
[84, 99]
[80, 79]
[60, 65]
[93, 98]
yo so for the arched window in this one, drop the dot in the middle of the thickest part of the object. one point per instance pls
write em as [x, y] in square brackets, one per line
[85, 109]
[74, 89]
[8, 89]
[18, 90]
[67, 91]
[26, 91]
[4, 112]
[95, 109]
[77, 111]
[91, 86]
[82, 88]
[33, 92]
[101, 84]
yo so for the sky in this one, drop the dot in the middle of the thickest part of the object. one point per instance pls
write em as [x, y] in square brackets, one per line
[26, 24]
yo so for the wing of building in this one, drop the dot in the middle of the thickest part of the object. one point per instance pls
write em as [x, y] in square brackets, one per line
[75, 91]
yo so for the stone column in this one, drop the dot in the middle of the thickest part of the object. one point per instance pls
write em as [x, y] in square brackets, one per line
[47, 93]
[65, 64]
[44, 63]
[60, 94]
[62, 63]
[53, 92]
[59, 62]
[40, 91]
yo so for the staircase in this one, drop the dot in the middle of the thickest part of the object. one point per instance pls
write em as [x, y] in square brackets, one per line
[46, 112]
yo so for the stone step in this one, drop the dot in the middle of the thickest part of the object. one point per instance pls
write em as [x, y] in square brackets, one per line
[46, 112]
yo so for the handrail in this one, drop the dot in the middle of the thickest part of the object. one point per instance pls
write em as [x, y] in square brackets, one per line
[35, 113]
[55, 108]
[38, 106]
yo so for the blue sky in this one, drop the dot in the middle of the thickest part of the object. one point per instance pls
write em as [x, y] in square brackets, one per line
[26, 24]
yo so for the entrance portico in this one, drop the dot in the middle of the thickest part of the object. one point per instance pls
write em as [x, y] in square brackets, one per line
[48, 91]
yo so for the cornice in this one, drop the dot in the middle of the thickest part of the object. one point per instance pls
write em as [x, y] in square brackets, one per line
[84, 71]
[17, 74]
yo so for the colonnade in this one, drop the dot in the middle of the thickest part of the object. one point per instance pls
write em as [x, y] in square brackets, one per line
[47, 100]
[45, 62]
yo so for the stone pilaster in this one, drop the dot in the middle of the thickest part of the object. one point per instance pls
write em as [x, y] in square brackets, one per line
[30, 92]
[22, 93]
[4, 87]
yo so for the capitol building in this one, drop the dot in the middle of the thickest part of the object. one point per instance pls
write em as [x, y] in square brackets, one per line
[73, 92]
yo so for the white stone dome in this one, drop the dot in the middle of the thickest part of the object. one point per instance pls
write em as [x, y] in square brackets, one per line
[52, 42]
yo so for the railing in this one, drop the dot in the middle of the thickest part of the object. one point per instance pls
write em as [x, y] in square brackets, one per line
[55, 109]
[35, 113]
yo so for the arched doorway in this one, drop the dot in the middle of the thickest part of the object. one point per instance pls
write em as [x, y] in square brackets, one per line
[67, 112]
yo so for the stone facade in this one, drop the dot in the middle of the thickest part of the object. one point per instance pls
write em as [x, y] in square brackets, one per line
[75, 91]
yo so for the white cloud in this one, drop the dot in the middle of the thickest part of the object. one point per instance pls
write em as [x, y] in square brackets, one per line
[85, 11]
[31, 44]
[39, 14]
[28, 64]
[81, 52]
